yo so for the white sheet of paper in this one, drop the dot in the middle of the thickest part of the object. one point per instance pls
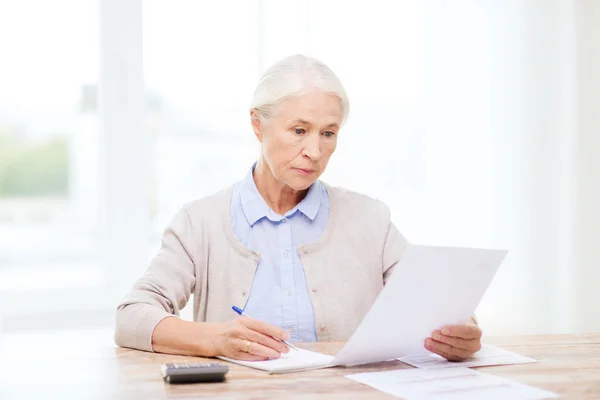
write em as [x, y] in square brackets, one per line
[448, 384]
[429, 288]
[487, 356]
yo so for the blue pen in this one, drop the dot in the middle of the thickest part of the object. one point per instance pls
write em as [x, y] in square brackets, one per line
[241, 312]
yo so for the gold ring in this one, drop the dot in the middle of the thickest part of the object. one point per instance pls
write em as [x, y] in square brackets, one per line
[247, 347]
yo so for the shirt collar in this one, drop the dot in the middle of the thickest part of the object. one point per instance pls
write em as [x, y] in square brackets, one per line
[255, 207]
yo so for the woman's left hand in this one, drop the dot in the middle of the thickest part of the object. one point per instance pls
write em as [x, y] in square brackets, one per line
[455, 342]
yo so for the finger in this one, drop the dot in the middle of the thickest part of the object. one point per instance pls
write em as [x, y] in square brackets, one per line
[462, 331]
[472, 345]
[446, 355]
[265, 328]
[237, 351]
[248, 357]
[257, 349]
[453, 352]
[266, 341]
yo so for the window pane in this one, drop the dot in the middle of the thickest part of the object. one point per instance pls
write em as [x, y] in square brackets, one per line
[200, 66]
[48, 145]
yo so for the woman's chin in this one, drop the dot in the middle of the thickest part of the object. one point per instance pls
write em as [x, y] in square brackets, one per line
[301, 183]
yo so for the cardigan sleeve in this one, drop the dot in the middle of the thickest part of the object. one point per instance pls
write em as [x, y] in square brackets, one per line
[162, 291]
[393, 248]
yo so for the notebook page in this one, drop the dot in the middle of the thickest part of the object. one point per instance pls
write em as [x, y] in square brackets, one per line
[294, 360]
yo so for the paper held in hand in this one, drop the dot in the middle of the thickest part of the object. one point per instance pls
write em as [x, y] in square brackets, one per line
[430, 287]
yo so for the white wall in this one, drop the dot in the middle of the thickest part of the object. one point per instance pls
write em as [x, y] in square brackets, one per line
[544, 75]
[587, 163]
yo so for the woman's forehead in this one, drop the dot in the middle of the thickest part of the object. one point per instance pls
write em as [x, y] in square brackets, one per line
[312, 106]
[329, 122]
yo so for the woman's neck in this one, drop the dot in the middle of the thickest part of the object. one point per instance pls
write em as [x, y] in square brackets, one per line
[279, 197]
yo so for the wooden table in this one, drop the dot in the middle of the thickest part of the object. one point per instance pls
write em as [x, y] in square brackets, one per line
[87, 365]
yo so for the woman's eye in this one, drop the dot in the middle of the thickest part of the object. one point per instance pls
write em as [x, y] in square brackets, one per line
[299, 131]
[329, 134]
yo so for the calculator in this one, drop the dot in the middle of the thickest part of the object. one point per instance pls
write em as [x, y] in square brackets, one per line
[192, 373]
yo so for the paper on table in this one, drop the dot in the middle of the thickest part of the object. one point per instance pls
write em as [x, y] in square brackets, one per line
[487, 356]
[429, 288]
[448, 384]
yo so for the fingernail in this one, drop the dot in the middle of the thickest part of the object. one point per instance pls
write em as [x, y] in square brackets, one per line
[429, 343]
[446, 331]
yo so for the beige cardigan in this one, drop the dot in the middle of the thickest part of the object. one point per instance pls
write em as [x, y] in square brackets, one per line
[345, 269]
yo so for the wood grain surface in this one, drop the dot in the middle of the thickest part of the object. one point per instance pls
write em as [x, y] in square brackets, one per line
[86, 365]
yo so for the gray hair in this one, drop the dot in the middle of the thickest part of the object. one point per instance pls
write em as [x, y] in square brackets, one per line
[292, 76]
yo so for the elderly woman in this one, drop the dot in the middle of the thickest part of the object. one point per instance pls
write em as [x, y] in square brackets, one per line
[306, 260]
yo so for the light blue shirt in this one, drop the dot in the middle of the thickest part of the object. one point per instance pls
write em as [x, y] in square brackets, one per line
[279, 293]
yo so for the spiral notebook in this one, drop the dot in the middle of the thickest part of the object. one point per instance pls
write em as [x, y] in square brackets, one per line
[294, 361]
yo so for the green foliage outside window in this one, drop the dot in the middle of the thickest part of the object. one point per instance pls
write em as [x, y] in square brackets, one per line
[33, 169]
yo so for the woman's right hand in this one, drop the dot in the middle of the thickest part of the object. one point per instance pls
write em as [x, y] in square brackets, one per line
[248, 339]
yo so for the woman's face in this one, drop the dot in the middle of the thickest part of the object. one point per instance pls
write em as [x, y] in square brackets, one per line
[299, 139]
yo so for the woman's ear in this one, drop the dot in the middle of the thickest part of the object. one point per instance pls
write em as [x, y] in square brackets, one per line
[256, 123]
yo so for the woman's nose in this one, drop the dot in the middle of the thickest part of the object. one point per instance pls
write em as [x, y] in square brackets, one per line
[312, 148]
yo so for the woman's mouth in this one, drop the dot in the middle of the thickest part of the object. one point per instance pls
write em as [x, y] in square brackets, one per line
[305, 171]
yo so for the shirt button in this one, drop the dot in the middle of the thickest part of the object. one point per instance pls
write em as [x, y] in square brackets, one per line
[284, 220]
[285, 253]
[288, 292]
[314, 289]
[291, 330]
